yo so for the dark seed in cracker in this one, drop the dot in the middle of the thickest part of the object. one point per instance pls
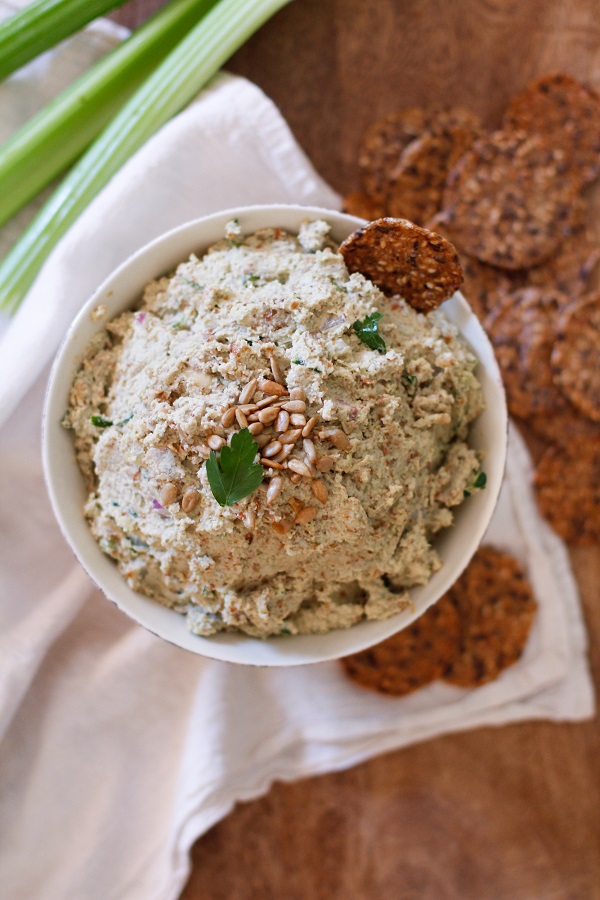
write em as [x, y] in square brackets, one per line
[414, 657]
[567, 112]
[567, 485]
[522, 328]
[417, 183]
[576, 355]
[510, 200]
[403, 259]
[496, 608]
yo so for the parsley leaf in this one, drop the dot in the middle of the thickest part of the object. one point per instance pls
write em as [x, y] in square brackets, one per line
[478, 485]
[235, 474]
[368, 332]
[101, 422]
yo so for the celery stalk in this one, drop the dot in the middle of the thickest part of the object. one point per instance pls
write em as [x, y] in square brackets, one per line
[41, 25]
[50, 142]
[174, 83]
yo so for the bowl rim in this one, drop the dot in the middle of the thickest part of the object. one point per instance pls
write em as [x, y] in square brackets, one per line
[276, 650]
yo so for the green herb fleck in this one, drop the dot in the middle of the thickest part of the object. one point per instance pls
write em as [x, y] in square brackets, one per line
[194, 284]
[125, 421]
[285, 631]
[251, 278]
[368, 332]
[298, 362]
[478, 485]
[101, 422]
[235, 474]
[409, 379]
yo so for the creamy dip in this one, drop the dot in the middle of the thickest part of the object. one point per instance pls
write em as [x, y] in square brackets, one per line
[385, 455]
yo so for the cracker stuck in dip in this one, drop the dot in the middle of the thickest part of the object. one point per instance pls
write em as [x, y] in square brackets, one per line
[270, 443]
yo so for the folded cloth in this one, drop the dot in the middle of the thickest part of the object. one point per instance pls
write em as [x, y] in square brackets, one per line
[118, 750]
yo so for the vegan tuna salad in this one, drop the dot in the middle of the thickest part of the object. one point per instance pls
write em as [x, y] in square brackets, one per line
[271, 444]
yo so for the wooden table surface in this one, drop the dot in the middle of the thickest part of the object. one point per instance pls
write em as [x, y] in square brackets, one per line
[491, 814]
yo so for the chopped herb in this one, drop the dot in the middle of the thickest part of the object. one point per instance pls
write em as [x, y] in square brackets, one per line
[478, 485]
[251, 279]
[285, 631]
[298, 362]
[409, 379]
[125, 421]
[235, 474]
[368, 332]
[101, 422]
[315, 370]
[481, 481]
[248, 342]
[194, 284]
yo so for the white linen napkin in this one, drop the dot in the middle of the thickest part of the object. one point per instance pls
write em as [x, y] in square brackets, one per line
[117, 750]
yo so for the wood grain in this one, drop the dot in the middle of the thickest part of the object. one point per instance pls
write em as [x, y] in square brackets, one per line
[510, 814]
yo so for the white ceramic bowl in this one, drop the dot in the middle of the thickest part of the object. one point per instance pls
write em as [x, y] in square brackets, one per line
[67, 492]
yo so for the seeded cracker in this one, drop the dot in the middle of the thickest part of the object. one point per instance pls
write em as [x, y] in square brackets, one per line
[386, 139]
[522, 330]
[571, 267]
[567, 484]
[412, 658]
[402, 258]
[576, 355]
[496, 608]
[510, 200]
[483, 284]
[417, 183]
[567, 112]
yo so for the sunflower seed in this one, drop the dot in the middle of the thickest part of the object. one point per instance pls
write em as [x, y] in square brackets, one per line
[241, 418]
[305, 515]
[272, 449]
[297, 394]
[274, 489]
[283, 420]
[324, 464]
[290, 437]
[190, 500]
[320, 490]
[248, 392]
[215, 442]
[266, 401]
[299, 467]
[228, 417]
[310, 449]
[267, 416]
[256, 428]
[263, 439]
[275, 370]
[168, 493]
[271, 463]
[309, 426]
[295, 406]
[298, 420]
[273, 387]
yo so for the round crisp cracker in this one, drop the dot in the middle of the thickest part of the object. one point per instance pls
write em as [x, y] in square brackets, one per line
[385, 140]
[563, 426]
[567, 486]
[570, 268]
[483, 285]
[511, 199]
[417, 183]
[567, 112]
[576, 355]
[522, 328]
[412, 658]
[402, 258]
[496, 607]
[360, 204]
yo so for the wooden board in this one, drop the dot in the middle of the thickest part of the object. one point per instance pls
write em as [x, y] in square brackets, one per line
[510, 814]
